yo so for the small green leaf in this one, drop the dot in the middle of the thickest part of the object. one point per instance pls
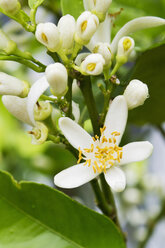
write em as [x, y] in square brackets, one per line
[36, 216]
[33, 4]
[150, 69]
[72, 7]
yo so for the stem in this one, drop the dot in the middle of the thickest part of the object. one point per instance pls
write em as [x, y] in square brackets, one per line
[115, 69]
[101, 202]
[69, 97]
[76, 50]
[162, 131]
[24, 62]
[107, 97]
[86, 89]
[153, 225]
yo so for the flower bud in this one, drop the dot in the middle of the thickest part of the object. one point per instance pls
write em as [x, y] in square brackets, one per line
[125, 47]
[105, 50]
[98, 7]
[42, 110]
[136, 93]
[17, 107]
[76, 111]
[10, 6]
[39, 133]
[93, 64]
[57, 78]
[7, 45]
[67, 27]
[48, 35]
[86, 26]
[10, 85]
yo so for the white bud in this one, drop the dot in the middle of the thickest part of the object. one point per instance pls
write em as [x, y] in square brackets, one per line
[105, 50]
[93, 64]
[57, 78]
[10, 85]
[39, 133]
[17, 107]
[76, 111]
[136, 93]
[48, 35]
[99, 7]
[125, 47]
[67, 27]
[10, 6]
[86, 26]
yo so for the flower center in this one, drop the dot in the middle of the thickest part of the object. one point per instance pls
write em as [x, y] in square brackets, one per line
[44, 37]
[91, 66]
[127, 44]
[84, 26]
[103, 152]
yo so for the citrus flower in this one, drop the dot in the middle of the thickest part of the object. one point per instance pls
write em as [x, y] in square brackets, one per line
[101, 155]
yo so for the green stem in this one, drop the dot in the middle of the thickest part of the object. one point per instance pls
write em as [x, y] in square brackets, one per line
[152, 226]
[86, 88]
[107, 97]
[76, 50]
[115, 69]
[101, 202]
[24, 62]
[54, 139]
[69, 97]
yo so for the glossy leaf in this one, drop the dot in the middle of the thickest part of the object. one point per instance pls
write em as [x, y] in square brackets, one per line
[150, 69]
[36, 216]
[72, 7]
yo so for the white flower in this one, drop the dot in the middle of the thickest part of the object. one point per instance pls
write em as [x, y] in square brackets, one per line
[125, 47]
[10, 6]
[99, 7]
[86, 26]
[93, 64]
[136, 93]
[57, 78]
[39, 133]
[10, 85]
[48, 35]
[101, 155]
[105, 50]
[67, 27]
[17, 106]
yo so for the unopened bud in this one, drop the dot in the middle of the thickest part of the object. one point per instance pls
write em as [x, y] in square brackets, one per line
[10, 85]
[42, 110]
[125, 47]
[98, 7]
[48, 35]
[17, 107]
[57, 78]
[39, 133]
[10, 6]
[105, 50]
[7, 45]
[86, 26]
[67, 27]
[136, 93]
[93, 64]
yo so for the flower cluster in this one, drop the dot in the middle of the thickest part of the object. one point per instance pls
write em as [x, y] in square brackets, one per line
[41, 110]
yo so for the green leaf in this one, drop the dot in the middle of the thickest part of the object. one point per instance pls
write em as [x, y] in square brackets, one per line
[33, 4]
[150, 69]
[36, 216]
[72, 7]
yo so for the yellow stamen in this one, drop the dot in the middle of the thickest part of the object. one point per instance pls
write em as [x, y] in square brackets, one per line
[94, 169]
[127, 44]
[44, 37]
[84, 26]
[91, 66]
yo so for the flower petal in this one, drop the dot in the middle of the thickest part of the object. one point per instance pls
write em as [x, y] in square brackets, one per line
[103, 34]
[116, 118]
[74, 176]
[80, 58]
[116, 179]
[135, 25]
[35, 92]
[75, 134]
[136, 151]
